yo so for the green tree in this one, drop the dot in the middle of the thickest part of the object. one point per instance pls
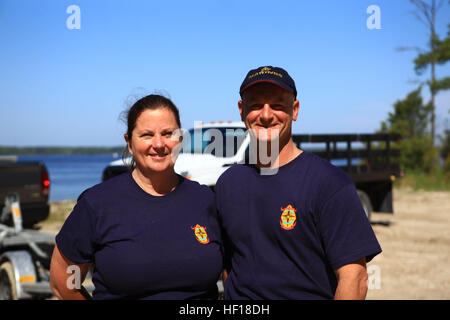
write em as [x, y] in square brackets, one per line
[445, 144]
[445, 152]
[436, 53]
[410, 119]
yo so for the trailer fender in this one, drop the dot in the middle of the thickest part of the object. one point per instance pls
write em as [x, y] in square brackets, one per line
[366, 204]
[24, 271]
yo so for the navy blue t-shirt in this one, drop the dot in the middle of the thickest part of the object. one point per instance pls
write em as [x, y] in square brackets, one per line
[144, 246]
[285, 234]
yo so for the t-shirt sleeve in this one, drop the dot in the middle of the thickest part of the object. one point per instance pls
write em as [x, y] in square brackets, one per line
[346, 232]
[213, 222]
[76, 239]
[225, 241]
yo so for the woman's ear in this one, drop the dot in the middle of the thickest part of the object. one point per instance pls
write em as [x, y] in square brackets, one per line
[127, 140]
[180, 133]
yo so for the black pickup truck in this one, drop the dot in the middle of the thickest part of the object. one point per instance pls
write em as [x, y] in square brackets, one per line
[30, 181]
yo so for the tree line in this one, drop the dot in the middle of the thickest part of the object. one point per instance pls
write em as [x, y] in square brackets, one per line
[6, 150]
[421, 149]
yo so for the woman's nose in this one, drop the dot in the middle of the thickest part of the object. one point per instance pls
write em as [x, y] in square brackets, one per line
[158, 142]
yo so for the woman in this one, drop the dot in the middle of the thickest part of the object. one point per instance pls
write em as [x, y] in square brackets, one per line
[149, 233]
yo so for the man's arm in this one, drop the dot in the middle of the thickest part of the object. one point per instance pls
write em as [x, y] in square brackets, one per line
[352, 281]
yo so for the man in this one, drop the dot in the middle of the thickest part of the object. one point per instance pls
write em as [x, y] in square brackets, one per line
[300, 233]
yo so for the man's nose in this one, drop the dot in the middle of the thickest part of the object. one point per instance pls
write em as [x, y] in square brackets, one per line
[266, 113]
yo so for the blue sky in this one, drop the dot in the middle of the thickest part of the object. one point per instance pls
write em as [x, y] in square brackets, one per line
[68, 87]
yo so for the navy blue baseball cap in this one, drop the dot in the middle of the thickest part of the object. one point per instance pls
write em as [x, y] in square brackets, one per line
[275, 75]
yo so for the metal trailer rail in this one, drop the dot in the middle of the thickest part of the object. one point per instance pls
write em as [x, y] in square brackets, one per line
[24, 263]
[25, 257]
[370, 160]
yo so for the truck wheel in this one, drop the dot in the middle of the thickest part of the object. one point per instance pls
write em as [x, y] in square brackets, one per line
[7, 282]
[365, 201]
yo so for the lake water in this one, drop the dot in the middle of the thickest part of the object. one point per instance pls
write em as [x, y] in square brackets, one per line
[72, 174]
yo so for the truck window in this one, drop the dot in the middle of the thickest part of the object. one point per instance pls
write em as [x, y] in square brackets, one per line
[220, 142]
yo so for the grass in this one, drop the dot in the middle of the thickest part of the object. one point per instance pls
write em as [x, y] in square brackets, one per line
[59, 211]
[417, 180]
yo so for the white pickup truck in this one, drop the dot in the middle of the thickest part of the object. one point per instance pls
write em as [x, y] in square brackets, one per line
[208, 150]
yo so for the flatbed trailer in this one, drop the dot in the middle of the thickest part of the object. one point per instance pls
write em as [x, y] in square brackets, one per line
[368, 159]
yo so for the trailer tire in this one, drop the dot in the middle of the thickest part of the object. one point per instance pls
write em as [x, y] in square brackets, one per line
[8, 290]
[365, 201]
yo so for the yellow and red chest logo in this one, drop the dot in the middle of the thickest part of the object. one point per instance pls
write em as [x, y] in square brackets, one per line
[288, 218]
[200, 234]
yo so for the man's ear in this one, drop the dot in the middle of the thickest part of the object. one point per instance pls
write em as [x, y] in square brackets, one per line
[241, 109]
[295, 110]
[127, 140]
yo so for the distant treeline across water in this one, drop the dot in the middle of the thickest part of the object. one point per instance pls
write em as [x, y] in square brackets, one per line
[5, 150]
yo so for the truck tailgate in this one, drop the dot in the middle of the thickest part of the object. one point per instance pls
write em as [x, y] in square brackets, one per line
[24, 179]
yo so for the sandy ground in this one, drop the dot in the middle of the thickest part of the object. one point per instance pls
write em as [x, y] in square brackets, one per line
[415, 262]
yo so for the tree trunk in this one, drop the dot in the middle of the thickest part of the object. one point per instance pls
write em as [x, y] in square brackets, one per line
[433, 64]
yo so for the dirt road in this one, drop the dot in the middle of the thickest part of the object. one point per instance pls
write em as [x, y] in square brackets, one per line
[415, 262]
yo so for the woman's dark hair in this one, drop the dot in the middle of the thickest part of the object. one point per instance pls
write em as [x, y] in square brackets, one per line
[150, 102]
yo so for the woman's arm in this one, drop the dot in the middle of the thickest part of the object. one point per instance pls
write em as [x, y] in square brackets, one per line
[224, 275]
[352, 281]
[59, 277]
